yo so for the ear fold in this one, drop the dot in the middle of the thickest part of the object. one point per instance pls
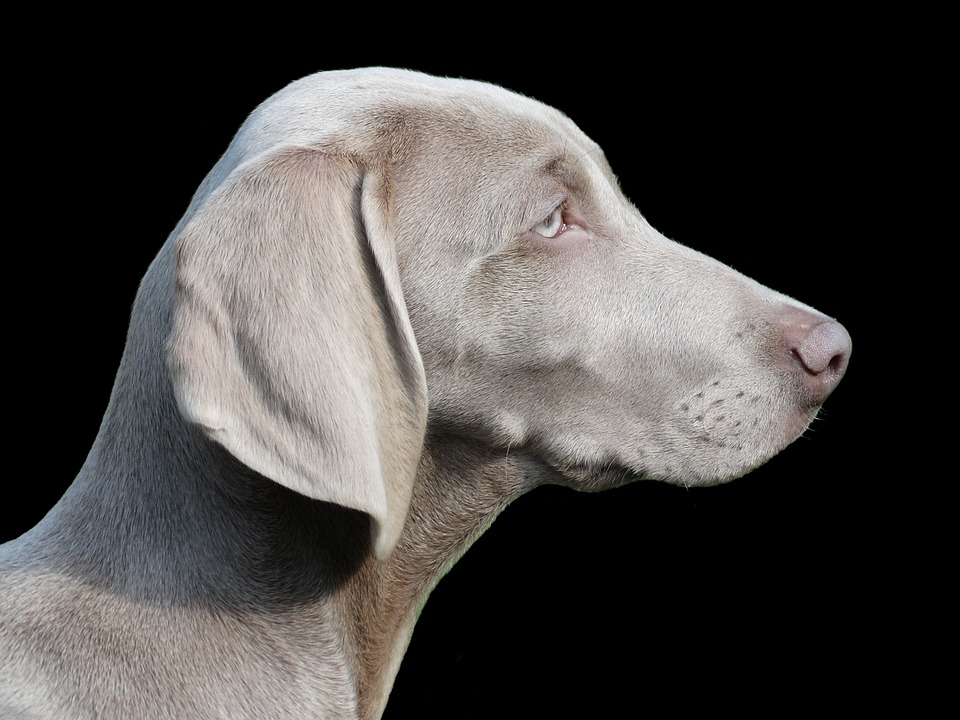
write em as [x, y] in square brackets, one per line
[291, 344]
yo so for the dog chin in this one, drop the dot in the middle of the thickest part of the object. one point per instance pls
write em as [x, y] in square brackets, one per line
[731, 461]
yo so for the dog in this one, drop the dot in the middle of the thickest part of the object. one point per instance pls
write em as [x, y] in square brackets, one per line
[394, 305]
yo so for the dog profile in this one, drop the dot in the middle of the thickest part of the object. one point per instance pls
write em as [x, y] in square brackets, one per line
[397, 303]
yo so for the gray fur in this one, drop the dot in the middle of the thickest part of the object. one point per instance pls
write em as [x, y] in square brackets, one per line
[355, 349]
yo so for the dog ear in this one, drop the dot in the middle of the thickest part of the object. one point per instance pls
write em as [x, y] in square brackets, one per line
[291, 344]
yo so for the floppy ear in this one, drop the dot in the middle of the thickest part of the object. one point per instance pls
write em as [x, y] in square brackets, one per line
[291, 343]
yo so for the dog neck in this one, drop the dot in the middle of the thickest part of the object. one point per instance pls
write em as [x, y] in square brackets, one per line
[293, 572]
[461, 488]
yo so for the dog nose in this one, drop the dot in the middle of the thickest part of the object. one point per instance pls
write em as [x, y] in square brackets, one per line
[821, 347]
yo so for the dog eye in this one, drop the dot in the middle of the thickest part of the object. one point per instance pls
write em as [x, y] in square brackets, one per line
[553, 225]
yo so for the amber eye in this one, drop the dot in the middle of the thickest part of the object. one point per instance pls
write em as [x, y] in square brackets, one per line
[552, 225]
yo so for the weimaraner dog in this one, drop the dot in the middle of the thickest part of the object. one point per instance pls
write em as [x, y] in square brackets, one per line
[395, 304]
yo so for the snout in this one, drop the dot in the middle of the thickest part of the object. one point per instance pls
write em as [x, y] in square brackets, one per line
[818, 348]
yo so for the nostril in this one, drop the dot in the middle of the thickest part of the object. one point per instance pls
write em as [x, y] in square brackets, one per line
[838, 363]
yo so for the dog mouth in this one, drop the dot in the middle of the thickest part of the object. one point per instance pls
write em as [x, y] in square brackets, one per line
[701, 457]
[714, 435]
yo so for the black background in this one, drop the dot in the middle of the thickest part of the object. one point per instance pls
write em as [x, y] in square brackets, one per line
[759, 595]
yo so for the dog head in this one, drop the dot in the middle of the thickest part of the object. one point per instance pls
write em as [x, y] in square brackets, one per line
[380, 249]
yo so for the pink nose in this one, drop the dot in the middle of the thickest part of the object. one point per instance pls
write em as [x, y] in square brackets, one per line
[820, 346]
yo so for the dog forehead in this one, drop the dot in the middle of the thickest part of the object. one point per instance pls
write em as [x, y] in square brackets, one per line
[357, 111]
